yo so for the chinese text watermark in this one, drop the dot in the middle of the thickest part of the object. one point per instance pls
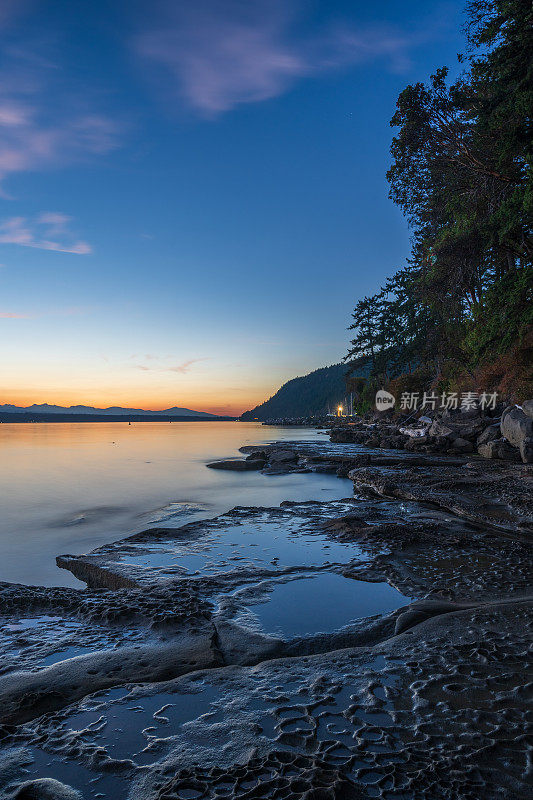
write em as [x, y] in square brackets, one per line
[451, 401]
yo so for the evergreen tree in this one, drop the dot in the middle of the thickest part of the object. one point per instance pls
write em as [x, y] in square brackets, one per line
[461, 172]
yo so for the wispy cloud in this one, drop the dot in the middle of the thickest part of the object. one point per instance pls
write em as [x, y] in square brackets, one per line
[182, 368]
[45, 121]
[186, 365]
[28, 142]
[217, 55]
[14, 315]
[48, 231]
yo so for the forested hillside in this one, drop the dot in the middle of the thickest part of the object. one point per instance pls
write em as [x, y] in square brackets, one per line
[459, 314]
[311, 394]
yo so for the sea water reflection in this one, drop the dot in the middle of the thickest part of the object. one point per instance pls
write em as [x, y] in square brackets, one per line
[70, 487]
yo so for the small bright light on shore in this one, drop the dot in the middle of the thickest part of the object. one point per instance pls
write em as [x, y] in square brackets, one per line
[339, 410]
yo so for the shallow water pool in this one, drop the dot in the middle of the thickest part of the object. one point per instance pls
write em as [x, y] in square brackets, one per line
[322, 603]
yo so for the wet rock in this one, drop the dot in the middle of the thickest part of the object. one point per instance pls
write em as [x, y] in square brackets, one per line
[516, 425]
[151, 606]
[26, 695]
[424, 610]
[346, 522]
[280, 774]
[257, 455]
[438, 711]
[500, 496]
[45, 789]
[489, 449]
[282, 456]
[238, 465]
[462, 425]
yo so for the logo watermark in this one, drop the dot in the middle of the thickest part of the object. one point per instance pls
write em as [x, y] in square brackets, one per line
[384, 400]
[451, 401]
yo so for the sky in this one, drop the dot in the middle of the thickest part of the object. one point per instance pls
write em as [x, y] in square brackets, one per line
[193, 192]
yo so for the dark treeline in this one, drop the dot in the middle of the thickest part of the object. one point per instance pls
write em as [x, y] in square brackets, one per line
[460, 313]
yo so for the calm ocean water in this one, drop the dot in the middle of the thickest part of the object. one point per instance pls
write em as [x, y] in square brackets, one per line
[70, 487]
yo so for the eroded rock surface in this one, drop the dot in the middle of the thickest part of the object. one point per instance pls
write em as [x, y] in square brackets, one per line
[378, 646]
[440, 711]
[487, 494]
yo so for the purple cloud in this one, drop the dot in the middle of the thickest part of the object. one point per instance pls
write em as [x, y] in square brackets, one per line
[45, 120]
[218, 55]
[28, 142]
[39, 233]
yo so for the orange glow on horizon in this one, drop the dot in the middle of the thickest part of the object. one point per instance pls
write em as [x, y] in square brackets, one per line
[61, 398]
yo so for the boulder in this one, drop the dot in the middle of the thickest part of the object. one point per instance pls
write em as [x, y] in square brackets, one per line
[527, 408]
[458, 427]
[500, 448]
[490, 434]
[487, 450]
[516, 426]
[526, 451]
[440, 429]
[469, 430]
[462, 445]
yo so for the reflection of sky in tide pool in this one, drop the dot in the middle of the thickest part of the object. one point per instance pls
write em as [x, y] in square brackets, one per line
[125, 729]
[263, 544]
[110, 786]
[137, 728]
[323, 603]
[40, 641]
[24, 623]
[72, 487]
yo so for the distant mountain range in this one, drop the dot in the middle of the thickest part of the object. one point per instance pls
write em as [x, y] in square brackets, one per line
[113, 411]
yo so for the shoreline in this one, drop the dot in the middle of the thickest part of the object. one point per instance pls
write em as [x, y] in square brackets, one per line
[12, 418]
[449, 533]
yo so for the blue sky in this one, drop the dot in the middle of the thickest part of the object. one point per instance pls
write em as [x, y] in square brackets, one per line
[193, 194]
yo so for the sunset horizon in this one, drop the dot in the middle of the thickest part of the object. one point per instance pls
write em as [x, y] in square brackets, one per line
[217, 410]
[174, 207]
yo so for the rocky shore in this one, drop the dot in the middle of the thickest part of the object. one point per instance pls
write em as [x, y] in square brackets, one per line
[301, 422]
[377, 646]
[505, 434]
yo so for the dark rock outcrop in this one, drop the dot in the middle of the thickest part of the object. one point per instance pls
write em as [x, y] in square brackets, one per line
[238, 465]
